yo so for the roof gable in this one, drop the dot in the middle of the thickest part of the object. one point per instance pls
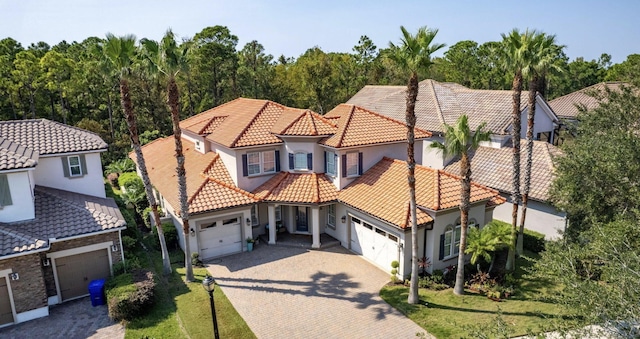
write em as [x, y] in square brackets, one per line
[309, 188]
[15, 156]
[303, 123]
[566, 106]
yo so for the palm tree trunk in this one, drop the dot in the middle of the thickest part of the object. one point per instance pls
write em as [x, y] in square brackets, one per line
[173, 97]
[515, 140]
[412, 94]
[127, 107]
[465, 180]
[527, 170]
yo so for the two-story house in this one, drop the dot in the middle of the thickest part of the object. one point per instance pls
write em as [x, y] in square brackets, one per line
[439, 103]
[255, 167]
[58, 231]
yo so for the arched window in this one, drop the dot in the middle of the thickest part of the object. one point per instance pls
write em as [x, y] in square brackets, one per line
[450, 240]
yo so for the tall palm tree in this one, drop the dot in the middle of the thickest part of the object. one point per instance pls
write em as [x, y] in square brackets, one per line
[543, 54]
[120, 51]
[168, 59]
[516, 57]
[413, 54]
[458, 142]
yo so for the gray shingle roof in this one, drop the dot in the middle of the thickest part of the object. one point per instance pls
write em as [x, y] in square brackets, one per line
[15, 156]
[50, 137]
[442, 102]
[59, 214]
[566, 106]
[492, 167]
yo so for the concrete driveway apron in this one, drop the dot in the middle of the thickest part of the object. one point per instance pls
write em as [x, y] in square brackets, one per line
[284, 292]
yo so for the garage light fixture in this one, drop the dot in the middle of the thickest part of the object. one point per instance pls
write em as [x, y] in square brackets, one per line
[248, 221]
[14, 276]
[343, 219]
[114, 248]
[46, 262]
[192, 232]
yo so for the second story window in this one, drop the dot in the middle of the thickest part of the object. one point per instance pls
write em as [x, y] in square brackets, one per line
[256, 163]
[331, 163]
[351, 164]
[301, 161]
[5, 193]
[74, 166]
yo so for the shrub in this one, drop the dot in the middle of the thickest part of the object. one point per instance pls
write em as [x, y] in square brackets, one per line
[130, 295]
[170, 235]
[132, 227]
[126, 179]
[129, 243]
[195, 259]
[113, 180]
[395, 264]
[533, 241]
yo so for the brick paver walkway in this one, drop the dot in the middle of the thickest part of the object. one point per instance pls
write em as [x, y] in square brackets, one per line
[70, 320]
[284, 292]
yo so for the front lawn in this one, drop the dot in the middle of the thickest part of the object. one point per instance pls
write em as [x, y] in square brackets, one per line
[447, 315]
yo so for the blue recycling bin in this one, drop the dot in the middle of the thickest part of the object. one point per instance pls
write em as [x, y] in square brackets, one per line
[96, 292]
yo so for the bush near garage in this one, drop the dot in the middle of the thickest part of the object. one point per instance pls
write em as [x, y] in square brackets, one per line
[130, 295]
[170, 235]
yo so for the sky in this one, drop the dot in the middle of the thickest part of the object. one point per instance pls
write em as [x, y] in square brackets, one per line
[587, 28]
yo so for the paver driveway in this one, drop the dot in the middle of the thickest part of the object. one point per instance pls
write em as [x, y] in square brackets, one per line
[284, 292]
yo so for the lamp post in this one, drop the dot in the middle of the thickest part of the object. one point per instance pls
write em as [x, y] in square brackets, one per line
[210, 285]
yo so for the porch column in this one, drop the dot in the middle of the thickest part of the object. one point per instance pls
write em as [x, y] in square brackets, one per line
[272, 224]
[315, 226]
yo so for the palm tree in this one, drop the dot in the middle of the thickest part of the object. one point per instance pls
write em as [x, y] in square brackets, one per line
[516, 57]
[167, 59]
[484, 243]
[120, 51]
[544, 53]
[413, 53]
[458, 142]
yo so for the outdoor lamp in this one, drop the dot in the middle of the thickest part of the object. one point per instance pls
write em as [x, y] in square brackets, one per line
[209, 285]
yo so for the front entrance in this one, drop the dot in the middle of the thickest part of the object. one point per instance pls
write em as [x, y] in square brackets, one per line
[76, 271]
[302, 219]
[6, 315]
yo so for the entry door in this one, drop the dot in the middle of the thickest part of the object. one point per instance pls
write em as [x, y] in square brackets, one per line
[6, 316]
[302, 221]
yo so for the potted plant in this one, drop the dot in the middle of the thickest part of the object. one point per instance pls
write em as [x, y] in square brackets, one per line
[250, 242]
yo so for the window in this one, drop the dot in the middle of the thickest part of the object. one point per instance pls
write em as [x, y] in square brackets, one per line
[255, 163]
[5, 193]
[393, 238]
[367, 225]
[229, 221]
[254, 216]
[352, 164]
[278, 211]
[450, 241]
[300, 161]
[205, 226]
[331, 215]
[330, 163]
[74, 166]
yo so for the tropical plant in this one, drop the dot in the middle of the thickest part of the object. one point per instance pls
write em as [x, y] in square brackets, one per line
[483, 243]
[167, 59]
[120, 51]
[413, 54]
[458, 142]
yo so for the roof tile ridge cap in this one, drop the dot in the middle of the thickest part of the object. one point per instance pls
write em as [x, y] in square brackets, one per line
[59, 125]
[316, 115]
[346, 124]
[312, 121]
[400, 88]
[208, 123]
[283, 175]
[19, 234]
[70, 202]
[234, 187]
[438, 198]
[435, 97]
[296, 119]
[210, 165]
[198, 190]
[404, 124]
[253, 120]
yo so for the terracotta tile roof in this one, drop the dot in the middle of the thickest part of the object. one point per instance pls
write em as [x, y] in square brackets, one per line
[441, 102]
[309, 188]
[382, 192]
[303, 123]
[492, 167]
[358, 126]
[209, 185]
[566, 106]
[15, 156]
[50, 137]
[58, 215]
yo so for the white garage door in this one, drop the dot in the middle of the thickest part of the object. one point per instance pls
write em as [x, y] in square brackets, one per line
[373, 243]
[220, 237]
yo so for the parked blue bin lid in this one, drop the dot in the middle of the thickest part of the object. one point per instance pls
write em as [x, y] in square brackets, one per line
[98, 283]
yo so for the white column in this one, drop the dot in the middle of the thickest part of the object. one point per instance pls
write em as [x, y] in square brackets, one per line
[315, 226]
[272, 224]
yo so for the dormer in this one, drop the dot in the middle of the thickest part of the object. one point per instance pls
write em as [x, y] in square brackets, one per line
[17, 163]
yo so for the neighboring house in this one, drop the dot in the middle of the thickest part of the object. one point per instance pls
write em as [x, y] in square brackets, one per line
[493, 167]
[440, 103]
[567, 107]
[57, 230]
[252, 163]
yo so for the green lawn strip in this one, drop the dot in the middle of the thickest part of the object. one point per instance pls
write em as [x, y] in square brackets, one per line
[446, 314]
[182, 310]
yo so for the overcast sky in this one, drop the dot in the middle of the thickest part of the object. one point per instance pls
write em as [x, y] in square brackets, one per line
[588, 27]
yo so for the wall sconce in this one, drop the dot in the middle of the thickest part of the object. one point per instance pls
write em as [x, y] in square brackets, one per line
[114, 248]
[192, 232]
[343, 219]
[248, 221]
[46, 262]
[14, 276]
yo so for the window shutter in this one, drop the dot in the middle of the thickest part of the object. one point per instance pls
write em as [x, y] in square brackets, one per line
[5, 193]
[360, 163]
[290, 161]
[277, 161]
[325, 161]
[310, 161]
[83, 164]
[65, 166]
[245, 169]
[441, 255]
[344, 165]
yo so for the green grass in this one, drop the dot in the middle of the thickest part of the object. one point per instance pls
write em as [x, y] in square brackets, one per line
[182, 309]
[448, 315]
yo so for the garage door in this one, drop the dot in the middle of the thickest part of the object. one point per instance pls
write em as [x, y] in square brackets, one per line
[220, 237]
[373, 243]
[6, 316]
[76, 271]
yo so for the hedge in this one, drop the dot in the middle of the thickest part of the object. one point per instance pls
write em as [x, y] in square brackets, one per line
[130, 295]
[126, 178]
[533, 241]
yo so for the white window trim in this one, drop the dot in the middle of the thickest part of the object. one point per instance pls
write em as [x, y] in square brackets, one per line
[278, 212]
[79, 166]
[255, 217]
[331, 212]
[304, 166]
[261, 163]
[455, 249]
[332, 168]
[356, 174]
